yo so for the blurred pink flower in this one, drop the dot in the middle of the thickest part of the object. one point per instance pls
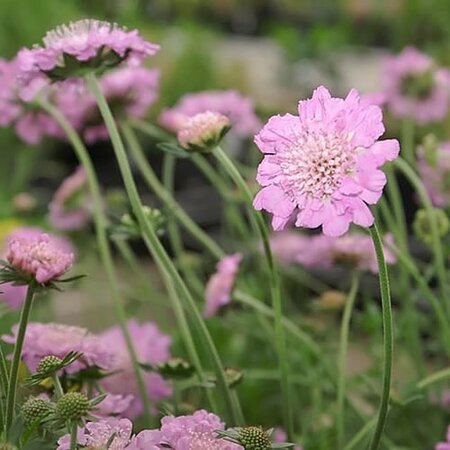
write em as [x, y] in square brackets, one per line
[193, 432]
[436, 175]
[54, 339]
[129, 90]
[220, 285]
[415, 87]
[204, 130]
[279, 435]
[96, 435]
[113, 405]
[39, 257]
[31, 123]
[152, 347]
[324, 164]
[93, 44]
[444, 445]
[69, 208]
[237, 108]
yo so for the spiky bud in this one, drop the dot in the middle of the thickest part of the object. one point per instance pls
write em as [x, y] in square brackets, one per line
[233, 376]
[73, 406]
[175, 368]
[254, 438]
[36, 409]
[422, 224]
[49, 365]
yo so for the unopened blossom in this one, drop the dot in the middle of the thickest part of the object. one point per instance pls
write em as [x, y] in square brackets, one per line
[30, 122]
[129, 90]
[39, 258]
[232, 104]
[14, 295]
[435, 174]
[444, 445]
[54, 339]
[193, 432]
[416, 87]
[69, 209]
[203, 131]
[220, 285]
[97, 435]
[80, 47]
[152, 347]
[323, 166]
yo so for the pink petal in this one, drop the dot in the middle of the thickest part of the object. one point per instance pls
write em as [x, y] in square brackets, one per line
[273, 199]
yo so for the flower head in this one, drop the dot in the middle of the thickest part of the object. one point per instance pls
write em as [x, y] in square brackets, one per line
[323, 165]
[97, 435]
[415, 87]
[69, 208]
[203, 131]
[152, 347]
[435, 174]
[237, 108]
[80, 47]
[444, 445]
[220, 285]
[53, 339]
[39, 258]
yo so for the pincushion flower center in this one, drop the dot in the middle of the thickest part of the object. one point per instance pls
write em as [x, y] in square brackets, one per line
[316, 164]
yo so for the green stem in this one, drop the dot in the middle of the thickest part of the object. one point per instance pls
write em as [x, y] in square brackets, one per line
[165, 196]
[57, 385]
[439, 258]
[153, 243]
[388, 338]
[12, 385]
[408, 147]
[361, 434]
[434, 378]
[274, 281]
[342, 360]
[73, 436]
[103, 245]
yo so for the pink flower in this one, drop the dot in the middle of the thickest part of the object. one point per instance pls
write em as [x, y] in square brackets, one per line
[69, 208]
[39, 257]
[279, 435]
[220, 285]
[54, 339]
[31, 124]
[194, 432]
[229, 103]
[113, 405]
[415, 87]
[152, 347]
[203, 131]
[85, 45]
[129, 90]
[323, 165]
[436, 175]
[15, 295]
[444, 445]
[96, 435]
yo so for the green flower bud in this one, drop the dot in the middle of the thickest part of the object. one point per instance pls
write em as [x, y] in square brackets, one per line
[36, 409]
[49, 365]
[233, 376]
[422, 224]
[175, 368]
[73, 406]
[254, 438]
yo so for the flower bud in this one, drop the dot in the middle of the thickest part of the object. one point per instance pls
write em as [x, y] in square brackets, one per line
[36, 409]
[49, 365]
[175, 368]
[203, 131]
[73, 406]
[422, 224]
[233, 377]
[254, 438]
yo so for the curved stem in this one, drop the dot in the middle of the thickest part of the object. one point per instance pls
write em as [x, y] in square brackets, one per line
[73, 436]
[434, 378]
[12, 385]
[103, 244]
[57, 385]
[153, 243]
[342, 359]
[261, 228]
[361, 434]
[388, 338]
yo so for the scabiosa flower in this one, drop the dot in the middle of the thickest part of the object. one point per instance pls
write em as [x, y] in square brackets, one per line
[203, 131]
[45, 339]
[435, 174]
[323, 165]
[97, 435]
[130, 91]
[220, 285]
[415, 87]
[444, 445]
[69, 209]
[39, 258]
[152, 347]
[193, 432]
[80, 47]
[31, 123]
[237, 108]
